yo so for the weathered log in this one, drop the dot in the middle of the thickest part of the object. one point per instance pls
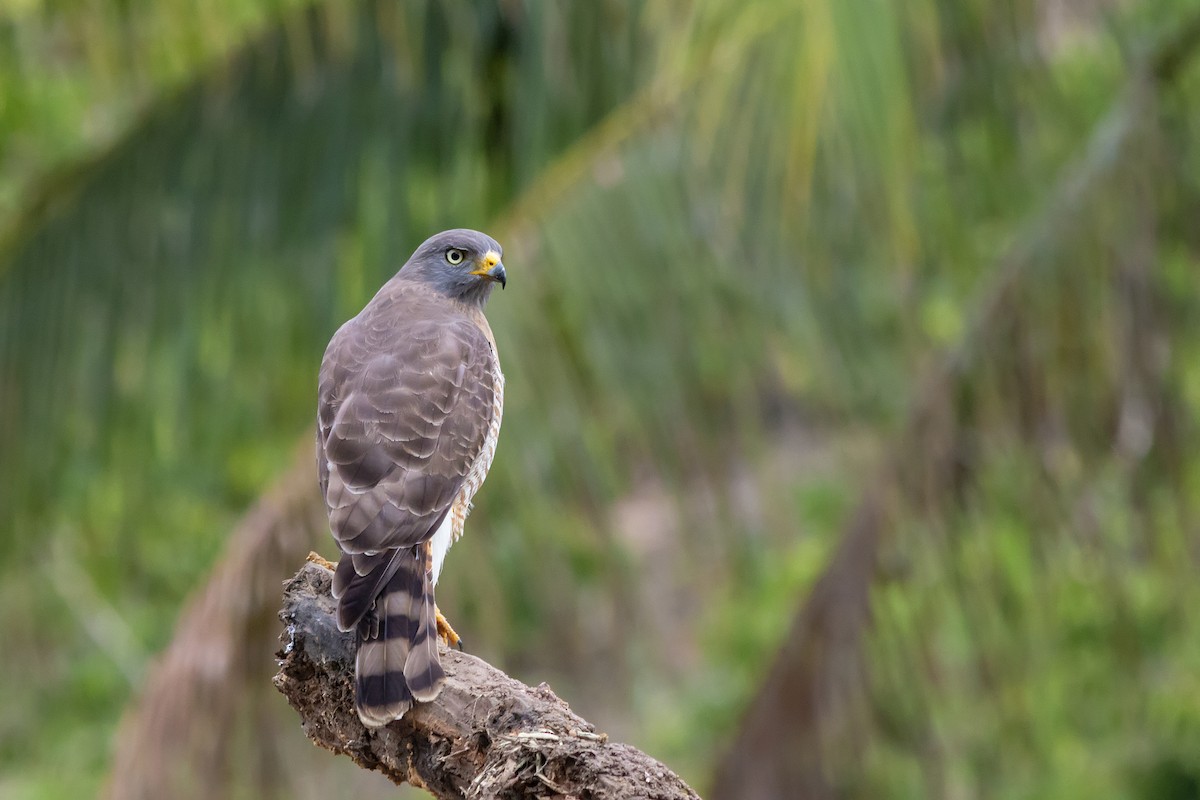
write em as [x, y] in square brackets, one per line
[486, 735]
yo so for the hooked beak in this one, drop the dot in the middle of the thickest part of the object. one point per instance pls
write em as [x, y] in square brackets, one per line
[497, 274]
[491, 268]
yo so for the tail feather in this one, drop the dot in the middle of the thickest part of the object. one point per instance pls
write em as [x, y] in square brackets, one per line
[358, 582]
[423, 668]
[397, 659]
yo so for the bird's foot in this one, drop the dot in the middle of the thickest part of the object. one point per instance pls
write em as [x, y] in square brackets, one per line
[319, 560]
[445, 632]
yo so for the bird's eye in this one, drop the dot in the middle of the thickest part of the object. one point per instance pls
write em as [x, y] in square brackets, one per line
[454, 256]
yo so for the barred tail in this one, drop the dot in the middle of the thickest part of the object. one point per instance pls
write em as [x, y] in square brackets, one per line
[397, 660]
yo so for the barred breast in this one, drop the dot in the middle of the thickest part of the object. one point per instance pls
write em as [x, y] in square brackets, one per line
[452, 528]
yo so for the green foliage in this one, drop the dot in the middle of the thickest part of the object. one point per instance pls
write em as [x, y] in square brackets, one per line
[1082, 655]
[724, 222]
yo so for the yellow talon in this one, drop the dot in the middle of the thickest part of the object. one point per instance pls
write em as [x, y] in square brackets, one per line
[445, 632]
[320, 561]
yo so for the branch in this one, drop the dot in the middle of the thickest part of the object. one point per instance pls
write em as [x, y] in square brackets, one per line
[486, 735]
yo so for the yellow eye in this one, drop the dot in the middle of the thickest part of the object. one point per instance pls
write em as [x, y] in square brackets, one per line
[454, 256]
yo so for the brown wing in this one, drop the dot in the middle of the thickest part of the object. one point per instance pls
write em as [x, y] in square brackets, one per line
[406, 393]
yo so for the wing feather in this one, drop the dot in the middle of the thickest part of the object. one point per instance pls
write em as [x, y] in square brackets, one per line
[406, 394]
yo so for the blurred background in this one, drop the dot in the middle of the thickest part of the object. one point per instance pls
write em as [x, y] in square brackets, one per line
[851, 441]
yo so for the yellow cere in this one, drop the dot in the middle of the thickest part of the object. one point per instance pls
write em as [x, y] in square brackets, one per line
[490, 259]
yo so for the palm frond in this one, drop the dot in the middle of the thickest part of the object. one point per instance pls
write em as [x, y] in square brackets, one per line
[735, 233]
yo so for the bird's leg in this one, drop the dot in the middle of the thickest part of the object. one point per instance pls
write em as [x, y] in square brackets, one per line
[445, 632]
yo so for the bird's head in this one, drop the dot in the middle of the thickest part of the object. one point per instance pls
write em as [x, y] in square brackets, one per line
[461, 264]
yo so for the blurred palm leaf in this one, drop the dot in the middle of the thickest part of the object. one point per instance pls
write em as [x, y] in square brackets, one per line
[783, 214]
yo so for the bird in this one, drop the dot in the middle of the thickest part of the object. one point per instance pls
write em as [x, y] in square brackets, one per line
[410, 396]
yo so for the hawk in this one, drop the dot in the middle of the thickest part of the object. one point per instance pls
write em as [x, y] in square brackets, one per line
[408, 414]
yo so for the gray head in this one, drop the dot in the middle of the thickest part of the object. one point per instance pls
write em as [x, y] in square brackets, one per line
[461, 264]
